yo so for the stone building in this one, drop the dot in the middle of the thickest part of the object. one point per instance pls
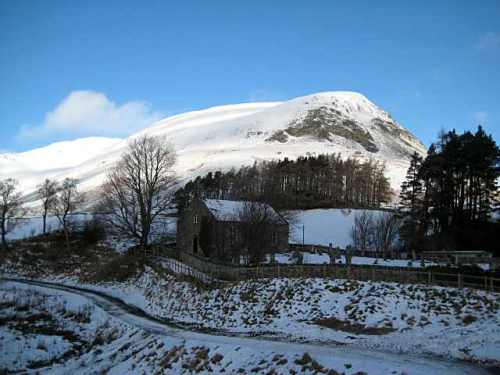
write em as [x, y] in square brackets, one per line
[215, 228]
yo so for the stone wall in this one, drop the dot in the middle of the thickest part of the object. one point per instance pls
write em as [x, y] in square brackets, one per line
[188, 229]
[225, 246]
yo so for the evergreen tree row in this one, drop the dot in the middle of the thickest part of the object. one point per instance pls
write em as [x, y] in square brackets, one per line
[308, 182]
[448, 198]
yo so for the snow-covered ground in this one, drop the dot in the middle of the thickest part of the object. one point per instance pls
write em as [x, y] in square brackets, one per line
[323, 258]
[33, 226]
[227, 136]
[47, 328]
[324, 226]
[29, 227]
[389, 317]
[126, 343]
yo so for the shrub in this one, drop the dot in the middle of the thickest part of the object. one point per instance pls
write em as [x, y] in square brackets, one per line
[216, 358]
[306, 358]
[120, 268]
[92, 232]
[468, 319]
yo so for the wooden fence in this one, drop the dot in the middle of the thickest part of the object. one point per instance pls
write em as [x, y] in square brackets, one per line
[212, 270]
[181, 268]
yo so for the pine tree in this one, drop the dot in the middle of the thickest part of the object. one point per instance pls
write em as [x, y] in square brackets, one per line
[458, 179]
[411, 204]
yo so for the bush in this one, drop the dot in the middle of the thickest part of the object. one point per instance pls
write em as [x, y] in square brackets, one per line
[92, 232]
[38, 248]
[120, 268]
[468, 319]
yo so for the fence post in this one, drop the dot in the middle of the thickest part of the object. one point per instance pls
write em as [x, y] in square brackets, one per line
[460, 281]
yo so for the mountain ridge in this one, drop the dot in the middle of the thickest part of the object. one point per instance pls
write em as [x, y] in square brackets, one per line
[227, 136]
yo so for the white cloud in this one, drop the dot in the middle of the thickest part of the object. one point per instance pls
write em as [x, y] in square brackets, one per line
[91, 113]
[480, 117]
[489, 41]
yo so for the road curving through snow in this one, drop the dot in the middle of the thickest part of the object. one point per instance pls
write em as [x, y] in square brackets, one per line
[134, 316]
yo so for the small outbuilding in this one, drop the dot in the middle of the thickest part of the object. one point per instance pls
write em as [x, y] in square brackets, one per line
[231, 231]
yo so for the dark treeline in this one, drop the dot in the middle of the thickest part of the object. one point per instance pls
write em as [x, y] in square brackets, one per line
[308, 182]
[448, 197]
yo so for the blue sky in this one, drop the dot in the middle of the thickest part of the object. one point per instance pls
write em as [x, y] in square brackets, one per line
[70, 69]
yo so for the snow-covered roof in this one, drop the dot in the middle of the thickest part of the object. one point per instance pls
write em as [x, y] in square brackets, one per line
[226, 210]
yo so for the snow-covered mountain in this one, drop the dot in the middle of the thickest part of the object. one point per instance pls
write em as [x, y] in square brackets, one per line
[233, 135]
[30, 167]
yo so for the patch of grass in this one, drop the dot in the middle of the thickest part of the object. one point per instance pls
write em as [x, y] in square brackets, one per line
[334, 289]
[468, 319]
[92, 232]
[279, 136]
[354, 328]
[124, 347]
[306, 358]
[217, 357]
[120, 268]
[82, 315]
[172, 356]
[41, 346]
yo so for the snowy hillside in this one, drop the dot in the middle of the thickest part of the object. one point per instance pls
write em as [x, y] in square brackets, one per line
[324, 226]
[30, 167]
[234, 135]
[66, 331]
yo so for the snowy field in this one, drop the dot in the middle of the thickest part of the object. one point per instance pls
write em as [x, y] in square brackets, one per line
[41, 330]
[316, 258]
[323, 226]
[54, 332]
[33, 226]
[382, 317]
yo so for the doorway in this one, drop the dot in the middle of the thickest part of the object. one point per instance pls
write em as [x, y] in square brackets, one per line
[195, 245]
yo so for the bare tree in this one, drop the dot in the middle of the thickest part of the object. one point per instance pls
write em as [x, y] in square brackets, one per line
[10, 207]
[362, 231]
[47, 191]
[385, 232]
[138, 189]
[257, 222]
[67, 200]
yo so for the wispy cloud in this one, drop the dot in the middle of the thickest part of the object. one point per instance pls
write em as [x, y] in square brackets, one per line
[489, 41]
[91, 113]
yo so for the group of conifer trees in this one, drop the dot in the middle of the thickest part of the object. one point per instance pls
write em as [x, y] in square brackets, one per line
[308, 182]
[448, 198]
